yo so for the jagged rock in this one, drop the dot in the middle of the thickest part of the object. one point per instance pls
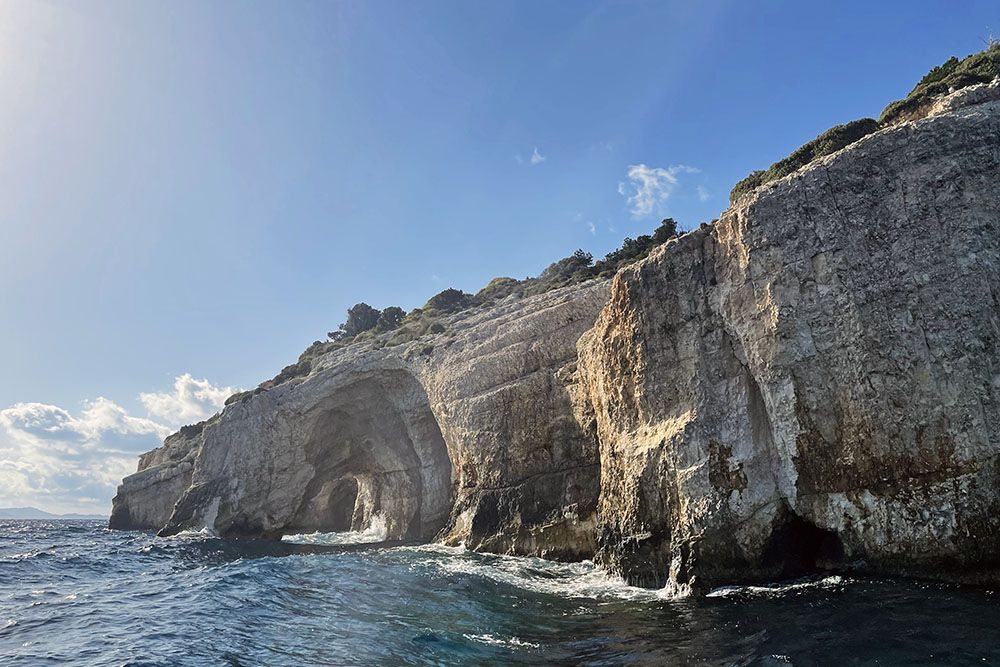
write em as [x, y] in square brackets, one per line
[146, 499]
[814, 381]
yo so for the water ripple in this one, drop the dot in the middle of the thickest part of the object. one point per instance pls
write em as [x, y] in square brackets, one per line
[79, 594]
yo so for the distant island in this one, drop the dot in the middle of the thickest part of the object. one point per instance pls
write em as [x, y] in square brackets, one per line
[35, 513]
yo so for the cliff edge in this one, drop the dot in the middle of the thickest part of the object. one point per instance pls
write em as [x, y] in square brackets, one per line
[814, 381]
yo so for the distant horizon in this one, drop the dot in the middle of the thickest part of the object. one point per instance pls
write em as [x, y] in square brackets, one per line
[10, 512]
[196, 198]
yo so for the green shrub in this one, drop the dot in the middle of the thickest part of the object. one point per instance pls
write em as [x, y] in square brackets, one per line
[498, 288]
[416, 323]
[292, 371]
[831, 141]
[360, 317]
[450, 301]
[632, 250]
[666, 231]
[953, 74]
[390, 318]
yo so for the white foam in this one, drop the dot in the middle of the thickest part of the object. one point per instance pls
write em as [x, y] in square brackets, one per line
[582, 580]
[377, 531]
[192, 535]
[775, 590]
[493, 640]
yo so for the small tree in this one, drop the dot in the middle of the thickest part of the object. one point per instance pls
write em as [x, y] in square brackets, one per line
[576, 266]
[666, 231]
[390, 318]
[360, 318]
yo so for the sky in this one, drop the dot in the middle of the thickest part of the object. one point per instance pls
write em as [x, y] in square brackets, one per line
[191, 193]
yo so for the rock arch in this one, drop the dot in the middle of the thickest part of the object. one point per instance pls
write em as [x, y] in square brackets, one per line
[376, 451]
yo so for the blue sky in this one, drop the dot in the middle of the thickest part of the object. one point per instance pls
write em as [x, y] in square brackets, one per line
[193, 192]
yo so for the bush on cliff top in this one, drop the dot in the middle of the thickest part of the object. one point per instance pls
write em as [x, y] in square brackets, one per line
[829, 142]
[953, 74]
[367, 323]
[450, 301]
[499, 288]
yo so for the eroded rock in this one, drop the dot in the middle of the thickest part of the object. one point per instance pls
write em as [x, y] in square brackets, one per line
[471, 436]
[813, 381]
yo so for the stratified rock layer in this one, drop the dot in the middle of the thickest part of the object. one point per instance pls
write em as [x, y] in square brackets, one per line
[472, 435]
[814, 381]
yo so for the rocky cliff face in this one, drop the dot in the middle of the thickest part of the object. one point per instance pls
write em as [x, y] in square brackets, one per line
[476, 435]
[813, 381]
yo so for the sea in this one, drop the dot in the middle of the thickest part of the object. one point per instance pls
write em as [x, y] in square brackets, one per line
[77, 593]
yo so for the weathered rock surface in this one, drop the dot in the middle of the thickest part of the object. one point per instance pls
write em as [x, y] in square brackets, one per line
[471, 435]
[146, 499]
[814, 381]
[811, 382]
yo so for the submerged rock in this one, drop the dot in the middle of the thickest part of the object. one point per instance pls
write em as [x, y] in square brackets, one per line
[813, 382]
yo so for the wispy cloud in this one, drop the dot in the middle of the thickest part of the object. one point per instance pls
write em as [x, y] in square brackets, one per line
[649, 188]
[534, 159]
[703, 194]
[66, 462]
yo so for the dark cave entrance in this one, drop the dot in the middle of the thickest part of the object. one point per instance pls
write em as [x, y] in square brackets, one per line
[801, 547]
[377, 455]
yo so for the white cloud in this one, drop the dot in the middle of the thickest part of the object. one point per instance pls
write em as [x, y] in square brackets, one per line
[191, 401]
[58, 461]
[65, 462]
[703, 194]
[592, 227]
[649, 188]
[536, 157]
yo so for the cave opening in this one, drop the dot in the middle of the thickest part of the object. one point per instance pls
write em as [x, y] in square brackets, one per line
[799, 547]
[378, 458]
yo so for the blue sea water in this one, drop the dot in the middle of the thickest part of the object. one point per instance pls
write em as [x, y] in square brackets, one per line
[75, 593]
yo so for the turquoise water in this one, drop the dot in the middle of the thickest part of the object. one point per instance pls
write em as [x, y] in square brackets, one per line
[75, 593]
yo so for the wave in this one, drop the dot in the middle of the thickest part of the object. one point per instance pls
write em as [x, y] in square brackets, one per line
[778, 589]
[581, 580]
[377, 531]
[509, 642]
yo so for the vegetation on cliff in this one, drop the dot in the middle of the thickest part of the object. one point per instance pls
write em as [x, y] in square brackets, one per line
[393, 326]
[952, 75]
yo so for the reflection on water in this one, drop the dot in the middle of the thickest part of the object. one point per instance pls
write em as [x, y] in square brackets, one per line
[74, 593]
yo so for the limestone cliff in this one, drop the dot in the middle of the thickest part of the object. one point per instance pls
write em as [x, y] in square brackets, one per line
[813, 381]
[473, 435]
